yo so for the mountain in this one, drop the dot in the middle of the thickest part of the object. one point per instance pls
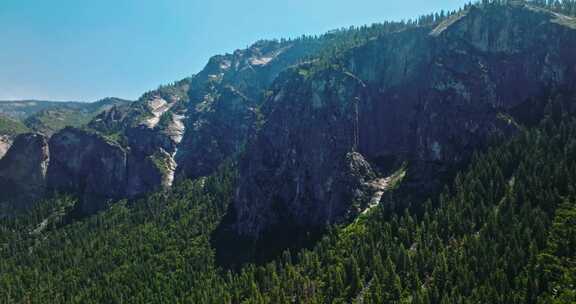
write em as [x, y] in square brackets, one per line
[22, 109]
[321, 122]
[23, 169]
[185, 129]
[428, 161]
[54, 118]
[428, 97]
[24, 143]
[45, 117]
[9, 128]
[502, 232]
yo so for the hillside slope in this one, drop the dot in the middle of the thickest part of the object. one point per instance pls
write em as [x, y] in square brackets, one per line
[52, 119]
[426, 162]
[22, 109]
[501, 233]
[317, 120]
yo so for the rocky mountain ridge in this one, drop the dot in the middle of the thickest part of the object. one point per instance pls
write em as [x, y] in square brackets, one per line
[143, 146]
[45, 117]
[313, 133]
[23, 109]
[429, 97]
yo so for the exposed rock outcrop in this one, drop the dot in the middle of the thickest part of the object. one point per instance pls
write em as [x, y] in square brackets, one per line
[224, 100]
[100, 169]
[428, 97]
[5, 143]
[316, 121]
[23, 170]
[89, 165]
[182, 130]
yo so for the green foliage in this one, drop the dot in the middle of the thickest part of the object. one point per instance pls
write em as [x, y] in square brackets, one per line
[116, 137]
[165, 119]
[503, 233]
[49, 121]
[171, 92]
[152, 250]
[160, 161]
[566, 7]
[11, 127]
[556, 265]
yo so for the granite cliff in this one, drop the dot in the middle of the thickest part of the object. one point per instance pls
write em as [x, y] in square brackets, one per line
[183, 130]
[316, 123]
[23, 169]
[425, 96]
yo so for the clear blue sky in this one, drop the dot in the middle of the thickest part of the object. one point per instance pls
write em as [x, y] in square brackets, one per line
[89, 49]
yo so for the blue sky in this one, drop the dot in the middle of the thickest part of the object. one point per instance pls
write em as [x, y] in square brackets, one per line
[89, 49]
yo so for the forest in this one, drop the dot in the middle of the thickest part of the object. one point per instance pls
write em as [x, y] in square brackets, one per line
[502, 231]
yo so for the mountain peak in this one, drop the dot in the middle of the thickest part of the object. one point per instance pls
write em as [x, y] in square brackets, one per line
[498, 15]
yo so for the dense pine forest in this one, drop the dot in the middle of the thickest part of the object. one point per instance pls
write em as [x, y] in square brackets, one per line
[502, 231]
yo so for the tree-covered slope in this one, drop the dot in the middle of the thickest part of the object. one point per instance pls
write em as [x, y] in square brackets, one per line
[22, 109]
[52, 119]
[11, 127]
[501, 233]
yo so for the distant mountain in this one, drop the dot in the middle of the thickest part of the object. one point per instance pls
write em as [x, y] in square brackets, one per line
[56, 116]
[46, 117]
[22, 109]
[12, 127]
[428, 161]
[318, 121]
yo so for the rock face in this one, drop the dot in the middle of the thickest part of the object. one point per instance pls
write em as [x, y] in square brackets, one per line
[315, 135]
[426, 96]
[183, 130]
[88, 165]
[5, 143]
[99, 169]
[23, 170]
[224, 100]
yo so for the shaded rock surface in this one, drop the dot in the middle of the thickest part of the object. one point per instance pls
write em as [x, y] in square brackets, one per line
[224, 99]
[88, 165]
[314, 136]
[182, 130]
[99, 169]
[426, 96]
[23, 170]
